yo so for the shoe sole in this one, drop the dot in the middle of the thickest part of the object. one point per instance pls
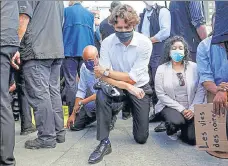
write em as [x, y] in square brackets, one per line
[44, 147]
[95, 162]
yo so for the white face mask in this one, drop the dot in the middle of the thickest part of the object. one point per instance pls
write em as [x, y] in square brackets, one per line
[150, 3]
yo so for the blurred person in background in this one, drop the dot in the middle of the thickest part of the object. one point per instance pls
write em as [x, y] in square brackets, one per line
[78, 32]
[188, 21]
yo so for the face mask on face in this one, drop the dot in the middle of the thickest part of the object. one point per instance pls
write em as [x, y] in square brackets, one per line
[124, 36]
[177, 55]
[150, 3]
[89, 65]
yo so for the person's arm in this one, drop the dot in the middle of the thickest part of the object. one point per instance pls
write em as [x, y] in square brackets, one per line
[162, 95]
[137, 71]
[165, 26]
[89, 99]
[105, 63]
[25, 14]
[198, 19]
[204, 68]
[199, 96]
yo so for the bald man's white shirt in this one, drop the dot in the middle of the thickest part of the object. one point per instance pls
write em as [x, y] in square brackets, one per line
[133, 59]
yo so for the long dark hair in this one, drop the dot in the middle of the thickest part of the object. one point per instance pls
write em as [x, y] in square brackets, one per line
[167, 47]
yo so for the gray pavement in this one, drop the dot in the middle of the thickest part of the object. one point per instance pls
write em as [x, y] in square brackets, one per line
[158, 151]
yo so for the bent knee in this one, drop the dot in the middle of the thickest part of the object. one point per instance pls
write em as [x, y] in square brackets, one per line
[141, 139]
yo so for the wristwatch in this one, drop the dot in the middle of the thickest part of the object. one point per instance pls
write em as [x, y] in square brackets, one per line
[80, 103]
[106, 73]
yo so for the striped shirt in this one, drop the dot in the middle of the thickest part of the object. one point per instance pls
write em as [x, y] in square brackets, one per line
[197, 13]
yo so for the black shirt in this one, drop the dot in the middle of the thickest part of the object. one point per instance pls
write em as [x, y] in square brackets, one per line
[106, 29]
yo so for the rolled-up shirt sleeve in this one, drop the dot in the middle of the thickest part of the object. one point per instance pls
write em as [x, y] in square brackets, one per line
[81, 93]
[26, 7]
[203, 63]
[104, 59]
[196, 13]
[165, 25]
[140, 66]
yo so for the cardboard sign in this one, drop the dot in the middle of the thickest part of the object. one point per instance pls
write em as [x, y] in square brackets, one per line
[210, 129]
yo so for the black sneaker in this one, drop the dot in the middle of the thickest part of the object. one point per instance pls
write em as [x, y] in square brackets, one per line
[60, 139]
[35, 144]
[101, 150]
[28, 131]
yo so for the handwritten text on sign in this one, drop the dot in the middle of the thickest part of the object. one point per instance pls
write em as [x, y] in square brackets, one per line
[210, 129]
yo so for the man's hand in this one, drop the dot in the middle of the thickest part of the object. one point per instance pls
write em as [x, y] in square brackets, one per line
[99, 71]
[138, 92]
[188, 114]
[220, 103]
[72, 118]
[12, 87]
[15, 61]
[153, 40]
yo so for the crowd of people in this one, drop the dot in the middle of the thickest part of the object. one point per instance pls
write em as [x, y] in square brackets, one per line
[162, 58]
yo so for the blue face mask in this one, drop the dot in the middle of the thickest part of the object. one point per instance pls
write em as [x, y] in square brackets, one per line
[177, 55]
[89, 65]
[124, 36]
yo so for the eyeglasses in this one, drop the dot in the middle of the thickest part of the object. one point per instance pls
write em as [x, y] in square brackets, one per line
[181, 79]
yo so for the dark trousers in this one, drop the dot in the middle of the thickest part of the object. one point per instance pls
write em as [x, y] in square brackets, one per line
[71, 67]
[86, 116]
[7, 126]
[42, 89]
[175, 121]
[25, 109]
[140, 114]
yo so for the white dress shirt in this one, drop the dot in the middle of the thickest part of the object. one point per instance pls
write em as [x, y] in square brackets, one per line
[132, 59]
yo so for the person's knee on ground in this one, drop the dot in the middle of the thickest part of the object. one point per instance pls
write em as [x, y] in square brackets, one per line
[141, 138]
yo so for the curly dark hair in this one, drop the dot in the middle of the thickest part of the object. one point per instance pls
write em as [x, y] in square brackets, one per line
[168, 45]
[125, 12]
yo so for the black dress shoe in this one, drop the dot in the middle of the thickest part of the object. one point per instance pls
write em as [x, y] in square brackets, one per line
[160, 128]
[101, 150]
[60, 139]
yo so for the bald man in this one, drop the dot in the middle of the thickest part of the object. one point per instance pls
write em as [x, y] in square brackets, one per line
[84, 107]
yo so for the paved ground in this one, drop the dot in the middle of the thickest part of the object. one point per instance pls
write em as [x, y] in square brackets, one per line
[159, 150]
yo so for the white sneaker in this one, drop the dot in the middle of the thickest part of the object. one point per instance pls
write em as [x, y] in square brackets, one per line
[173, 137]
